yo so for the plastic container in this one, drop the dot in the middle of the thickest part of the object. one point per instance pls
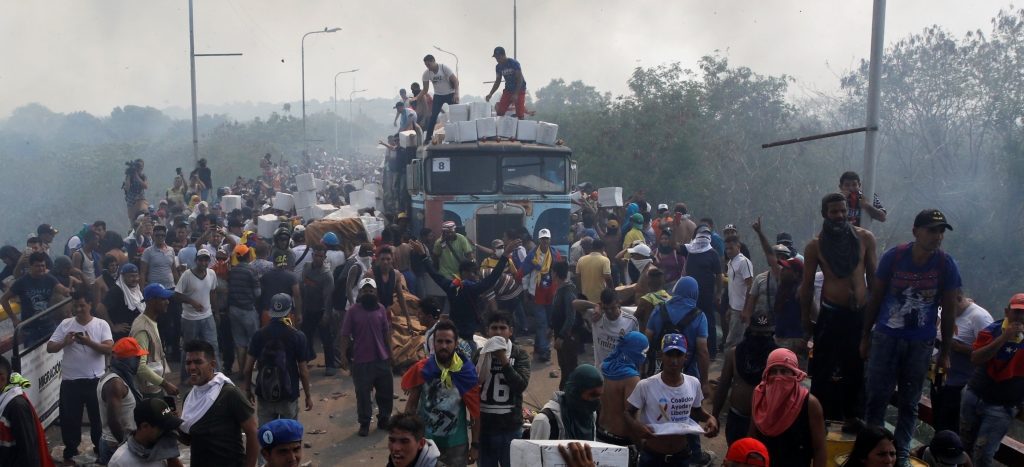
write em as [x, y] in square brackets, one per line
[526, 130]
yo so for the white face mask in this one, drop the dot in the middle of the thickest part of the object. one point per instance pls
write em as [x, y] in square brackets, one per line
[499, 252]
[364, 261]
[640, 264]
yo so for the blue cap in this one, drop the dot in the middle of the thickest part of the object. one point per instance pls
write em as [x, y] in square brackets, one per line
[673, 342]
[280, 305]
[128, 268]
[330, 238]
[155, 290]
[282, 430]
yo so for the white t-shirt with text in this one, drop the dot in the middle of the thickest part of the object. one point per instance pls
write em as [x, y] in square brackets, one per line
[199, 290]
[80, 361]
[440, 80]
[661, 404]
[607, 333]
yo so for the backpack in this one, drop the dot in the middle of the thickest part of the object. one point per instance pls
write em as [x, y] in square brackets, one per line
[339, 297]
[552, 422]
[668, 327]
[273, 383]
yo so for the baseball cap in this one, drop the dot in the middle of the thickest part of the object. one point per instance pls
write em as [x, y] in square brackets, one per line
[366, 281]
[784, 238]
[280, 305]
[498, 51]
[748, 451]
[544, 233]
[448, 225]
[761, 322]
[662, 207]
[128, 268]
[282, 430]
[796, 264]
[637, 218]
[947, 448]
[128, 347]
[641, 249]
[241, 250]
[155, 411]
[45, 228]
[782, 251]
[931, 218]
[673, 342]
[403, 215]
[330, 238]
[204, 252]
[155, 290]
[1017, 302]
[730, 227]
[497, 243]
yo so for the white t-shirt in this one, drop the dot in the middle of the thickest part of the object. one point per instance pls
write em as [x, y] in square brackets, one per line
[607, 334]
[199, 290]
[123, 457]
[335, 258]
[440, 80]
[740, 269]
[80, 361]
[298, 251]
[661, 404]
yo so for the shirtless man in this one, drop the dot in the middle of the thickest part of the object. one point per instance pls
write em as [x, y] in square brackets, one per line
[846, 256]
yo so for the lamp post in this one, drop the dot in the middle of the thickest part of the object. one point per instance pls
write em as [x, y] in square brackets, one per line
[453, 55]
[336, 103]
[302, 50]
[192, 70]
[350, 123]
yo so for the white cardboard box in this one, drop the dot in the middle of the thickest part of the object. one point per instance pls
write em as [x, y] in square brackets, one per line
[305, 182]
[467, 132]
[544, 453]
[322, 210]
[547, 133]
[526, 130]
[609, 196]
[478, 110]
[229, 203]
[305, 199]
[507, 127]
[458, 112]
[266, 225]
[284, 201]
[361, 199]
[407, 139]
[305, 213]
[487, 128]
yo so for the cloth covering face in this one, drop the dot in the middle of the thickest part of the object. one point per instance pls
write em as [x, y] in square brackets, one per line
[627, 358]
[577, 413]
[778, 398]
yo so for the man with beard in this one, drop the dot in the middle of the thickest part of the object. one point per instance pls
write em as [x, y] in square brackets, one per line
[367, 326]
[846, 256]
[621, 372]
[774, 292]
[124, 301]
[390, 283]
[913, 280]
[741, 373]
[442, 388]
[118, 395]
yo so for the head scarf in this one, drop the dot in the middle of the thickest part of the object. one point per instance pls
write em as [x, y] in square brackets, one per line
[459, 374]
[625, 361]
[839, 246]
[126, 369]
[132, 295]
[684, 296]
[578, 414]
[778, 399]
[631, 209]
[700, 244]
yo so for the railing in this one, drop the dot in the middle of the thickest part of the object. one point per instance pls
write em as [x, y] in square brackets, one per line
[42, 369]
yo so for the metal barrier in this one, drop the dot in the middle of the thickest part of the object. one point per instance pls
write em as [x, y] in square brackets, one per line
[40, 367]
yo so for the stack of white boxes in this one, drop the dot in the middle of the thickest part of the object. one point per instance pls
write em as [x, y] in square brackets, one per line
[305, 197]
[473, 122]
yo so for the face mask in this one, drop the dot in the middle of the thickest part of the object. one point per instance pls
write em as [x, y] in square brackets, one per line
[368, 301]
[499, 252]
[364, 261]
[640, 264]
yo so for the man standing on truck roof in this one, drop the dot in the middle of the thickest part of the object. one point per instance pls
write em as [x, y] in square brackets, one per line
[446, 89]
[515, 84]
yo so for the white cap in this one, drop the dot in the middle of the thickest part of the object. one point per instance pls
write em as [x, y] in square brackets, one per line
[641, 249]
[366, 281]
[204, 252]
[663, 206]
[544, 233]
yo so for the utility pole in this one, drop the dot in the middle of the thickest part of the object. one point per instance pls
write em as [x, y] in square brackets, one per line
[192, 69]
[874, 94]
[336, 103]
[302, 49]
[515, 28]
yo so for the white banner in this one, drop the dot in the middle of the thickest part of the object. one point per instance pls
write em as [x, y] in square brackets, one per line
[43, 370]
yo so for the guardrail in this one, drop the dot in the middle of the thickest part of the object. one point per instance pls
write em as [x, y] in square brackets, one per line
[42, 368]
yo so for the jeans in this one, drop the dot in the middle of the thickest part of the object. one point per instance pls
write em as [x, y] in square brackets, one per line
[495, 447]
[227, 343]
[541, 347]
[314, 324]
[983, 426]
[267, 411]
[203, 329]
[376, 376]
[894, 361]
[435, 110]
[75, 395]
[454, 456]
[650, 459]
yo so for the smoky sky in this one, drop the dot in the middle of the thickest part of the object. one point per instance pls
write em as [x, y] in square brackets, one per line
[94, 55]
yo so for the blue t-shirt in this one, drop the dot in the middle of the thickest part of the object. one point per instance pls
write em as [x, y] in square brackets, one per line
[913, 293]
[508, 71]
[698, 328]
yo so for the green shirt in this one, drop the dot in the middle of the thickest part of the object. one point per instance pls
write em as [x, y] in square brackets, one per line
[450, 255]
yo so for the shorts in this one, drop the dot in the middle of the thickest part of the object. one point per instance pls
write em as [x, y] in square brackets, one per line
[244, 324]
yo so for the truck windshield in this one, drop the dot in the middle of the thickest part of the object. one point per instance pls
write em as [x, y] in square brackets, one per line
[462, 174]
[533, 174]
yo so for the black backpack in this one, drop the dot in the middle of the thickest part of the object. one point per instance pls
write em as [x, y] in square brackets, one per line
[668, 327]
[273, 383]
[339, 297]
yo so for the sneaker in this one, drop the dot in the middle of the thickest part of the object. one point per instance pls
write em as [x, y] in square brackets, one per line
[706, 458]
[364, 430]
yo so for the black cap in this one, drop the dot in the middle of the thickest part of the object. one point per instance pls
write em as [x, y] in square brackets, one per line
[947, 448]
[498, 51]
[784, 238]
[156, 412]
[399, 104]
[46, 229]
[931, 218]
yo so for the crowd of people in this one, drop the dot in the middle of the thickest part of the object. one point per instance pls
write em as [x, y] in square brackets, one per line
[657, 293]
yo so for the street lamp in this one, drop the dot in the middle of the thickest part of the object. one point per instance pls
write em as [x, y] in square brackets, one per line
[336, 103]
[350, 125]
[305, 141]
[453, 55]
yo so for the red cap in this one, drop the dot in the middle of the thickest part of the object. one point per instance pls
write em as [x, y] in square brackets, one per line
[748, 451]
[1017, 302]
[128, 347]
